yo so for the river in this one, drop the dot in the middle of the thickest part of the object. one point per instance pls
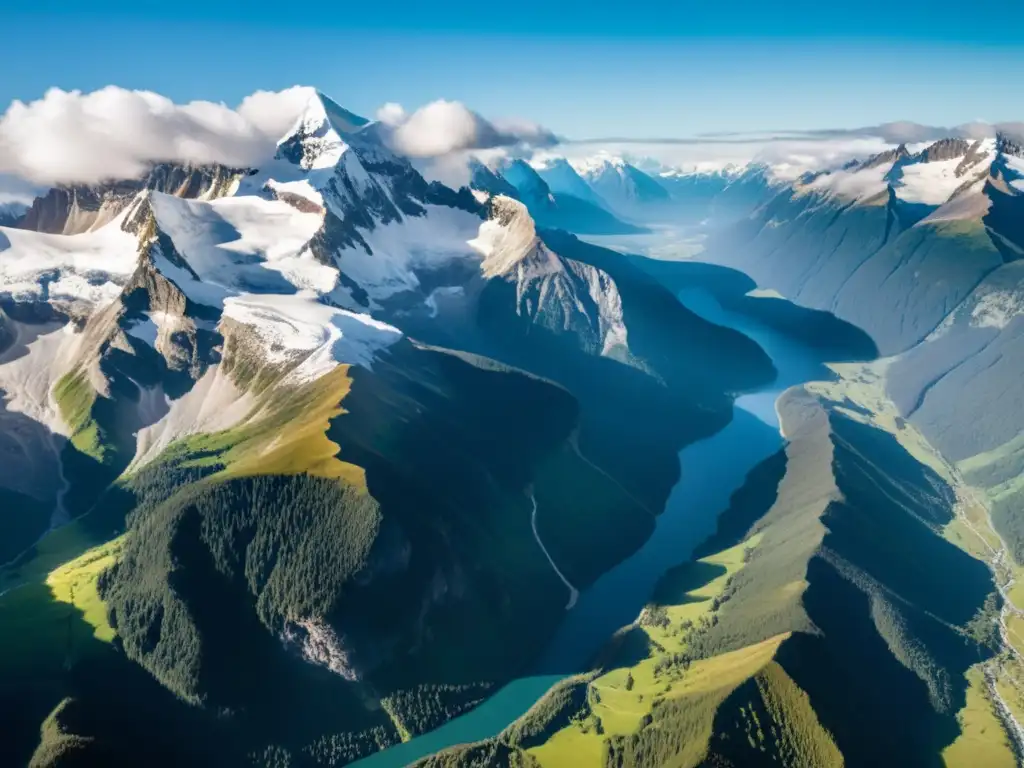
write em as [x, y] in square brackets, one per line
[712, 469]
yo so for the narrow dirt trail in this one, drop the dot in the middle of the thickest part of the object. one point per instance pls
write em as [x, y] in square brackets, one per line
[574, 593]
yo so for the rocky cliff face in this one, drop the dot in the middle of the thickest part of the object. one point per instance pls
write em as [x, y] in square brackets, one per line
[76, 209]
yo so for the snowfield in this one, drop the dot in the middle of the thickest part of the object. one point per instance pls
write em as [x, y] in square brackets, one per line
[293, 325]
[858, 184]
[417, 242]
[930, 183]
[91, 267]
[245, 243]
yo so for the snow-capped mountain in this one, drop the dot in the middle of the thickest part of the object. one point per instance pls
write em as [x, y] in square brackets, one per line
[518, 179]
[147, 287]
[624, 187]
[154, 285]
[563, 179]
[70, 210]
[532, 188]
[834, 237]
[719, 195]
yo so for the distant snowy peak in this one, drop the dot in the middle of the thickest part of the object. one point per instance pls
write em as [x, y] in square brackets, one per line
[532, 188]
[624, 186]
[562, 178]
[705, 170]
[489, 181]
[884, 159]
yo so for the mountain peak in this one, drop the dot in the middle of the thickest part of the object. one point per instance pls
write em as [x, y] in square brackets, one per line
[885, 158]
[317, 139]
[507, 237]
[946, 149]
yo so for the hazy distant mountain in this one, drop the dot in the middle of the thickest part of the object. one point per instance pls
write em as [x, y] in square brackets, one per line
[557, 209]
[562, 178]
[625, 188]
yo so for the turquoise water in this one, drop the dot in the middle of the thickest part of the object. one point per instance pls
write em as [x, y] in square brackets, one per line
[712, 470]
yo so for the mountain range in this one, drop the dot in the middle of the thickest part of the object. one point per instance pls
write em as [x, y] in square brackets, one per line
[306, 461]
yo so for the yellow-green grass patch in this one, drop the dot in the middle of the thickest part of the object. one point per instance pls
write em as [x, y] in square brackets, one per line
[622, 698]
[47, 624]
[75, 397]
[1010, 684]
[704, 686]
[74, 584]
[285, 434]
[1016, 592]
[982, 739]
[698, 601]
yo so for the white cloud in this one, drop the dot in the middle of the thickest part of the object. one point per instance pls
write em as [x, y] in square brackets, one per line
[438, 128]
[453, 169]
[113, 133]
[443, 137]
[444, 127]
[273, 113]
[391, 113]
[72, 137]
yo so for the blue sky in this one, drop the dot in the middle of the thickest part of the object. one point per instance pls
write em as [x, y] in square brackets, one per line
[585, 69]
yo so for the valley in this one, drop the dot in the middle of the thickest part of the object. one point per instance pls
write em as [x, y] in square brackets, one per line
[325, 462]
[713, 469]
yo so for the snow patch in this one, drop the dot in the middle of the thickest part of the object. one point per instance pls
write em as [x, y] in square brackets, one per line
[930, 183]
[90, 267]
[972, 203]
[299, 325]
[145, 331]
[860, 184]
[432, 241]
[997, 309]
[1016, 164]
[244, 243]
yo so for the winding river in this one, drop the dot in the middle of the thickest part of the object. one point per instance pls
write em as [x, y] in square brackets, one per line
[712, 470]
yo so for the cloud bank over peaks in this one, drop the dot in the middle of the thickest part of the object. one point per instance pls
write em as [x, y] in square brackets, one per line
[71, 137]
[443, 138]
[443, 127]
[788, 153]
[114, 133]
